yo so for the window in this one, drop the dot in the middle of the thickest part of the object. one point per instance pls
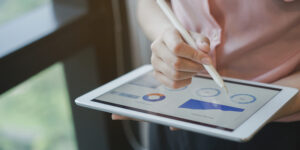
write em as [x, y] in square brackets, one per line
[37, 115]
[10, 9]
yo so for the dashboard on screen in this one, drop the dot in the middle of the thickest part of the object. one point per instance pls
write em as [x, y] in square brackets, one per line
[202, 102]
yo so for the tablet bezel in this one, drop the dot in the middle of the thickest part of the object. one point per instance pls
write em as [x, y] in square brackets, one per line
[242, 133]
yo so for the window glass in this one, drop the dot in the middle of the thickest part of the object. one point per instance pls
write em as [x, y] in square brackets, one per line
[36, 115]
[10, 9]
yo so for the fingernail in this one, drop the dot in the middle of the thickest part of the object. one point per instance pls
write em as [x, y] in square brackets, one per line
[202, 43]
[113, 117]
[206, 61]
[204, 46]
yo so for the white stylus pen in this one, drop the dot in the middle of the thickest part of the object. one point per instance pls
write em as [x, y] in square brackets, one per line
[187, 37]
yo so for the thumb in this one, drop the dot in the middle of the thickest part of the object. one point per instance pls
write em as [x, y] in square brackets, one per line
[118, 117]
[202, 42]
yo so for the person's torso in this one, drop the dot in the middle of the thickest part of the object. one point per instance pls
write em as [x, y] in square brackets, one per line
[254, 40]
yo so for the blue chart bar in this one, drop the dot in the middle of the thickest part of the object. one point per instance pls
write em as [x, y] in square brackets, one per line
[197, 104]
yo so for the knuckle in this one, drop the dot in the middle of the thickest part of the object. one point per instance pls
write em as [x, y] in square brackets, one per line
[158, 77]
[189, 81]
[177, 49]
[152, 59]
[198, 55]
[205, 39]
[155, 44]
[201, 37]
[177, 64]
[199, 67]
[177, 75]
[175, 85]
[154, 63]
[195, 55]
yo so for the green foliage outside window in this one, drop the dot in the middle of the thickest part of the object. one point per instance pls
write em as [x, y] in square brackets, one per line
[36, 114]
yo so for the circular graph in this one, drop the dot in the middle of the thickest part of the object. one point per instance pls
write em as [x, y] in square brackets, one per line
[243, 98]
[208, 92]
[154, 97]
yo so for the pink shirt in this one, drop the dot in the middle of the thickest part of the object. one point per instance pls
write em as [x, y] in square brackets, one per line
[250, 39]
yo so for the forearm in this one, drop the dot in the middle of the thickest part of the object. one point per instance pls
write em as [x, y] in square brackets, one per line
[151, 19]
[292, 107]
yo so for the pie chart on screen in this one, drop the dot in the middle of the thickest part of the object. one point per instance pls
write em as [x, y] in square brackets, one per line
[243, 98]
[208, 92]
[153, 97]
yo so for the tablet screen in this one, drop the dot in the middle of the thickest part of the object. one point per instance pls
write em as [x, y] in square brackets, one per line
[202, 102]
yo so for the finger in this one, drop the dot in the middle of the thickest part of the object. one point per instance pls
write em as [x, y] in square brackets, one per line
[170, 83]
[174, 42]
[173, 129]
[118, 117]
[172, 38]
[200, 37]
[178, 63]
[160, 50]
[186, 51]
[203, 46]
[185, 65]
[171, 73]
[202, 42]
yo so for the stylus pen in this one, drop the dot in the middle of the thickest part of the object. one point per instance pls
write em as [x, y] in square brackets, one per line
[187, 37]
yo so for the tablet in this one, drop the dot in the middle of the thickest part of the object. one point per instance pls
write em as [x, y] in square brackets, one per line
[200, 107]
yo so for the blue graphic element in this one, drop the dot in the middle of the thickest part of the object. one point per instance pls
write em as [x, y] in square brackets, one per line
[125, 94]
[208, 92]
[243, 98]
[197, 104]
[154, 97]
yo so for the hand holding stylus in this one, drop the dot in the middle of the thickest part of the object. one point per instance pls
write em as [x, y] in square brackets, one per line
[174, 61]
[189, 39]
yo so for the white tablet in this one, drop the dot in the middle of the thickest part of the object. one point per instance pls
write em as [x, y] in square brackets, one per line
[200, 107]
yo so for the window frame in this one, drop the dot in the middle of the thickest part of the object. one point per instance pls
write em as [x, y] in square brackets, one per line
[90, 24]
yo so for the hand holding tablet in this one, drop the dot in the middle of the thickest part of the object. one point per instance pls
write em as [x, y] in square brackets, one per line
[200, 107]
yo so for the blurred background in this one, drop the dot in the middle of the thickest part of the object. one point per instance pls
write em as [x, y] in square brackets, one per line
[52, 51]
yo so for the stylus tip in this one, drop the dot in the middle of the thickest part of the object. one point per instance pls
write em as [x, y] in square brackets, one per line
[226, 89]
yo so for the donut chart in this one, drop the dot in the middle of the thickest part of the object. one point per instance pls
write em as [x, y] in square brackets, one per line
[208, 92]
[153, 97]
[243, 98]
